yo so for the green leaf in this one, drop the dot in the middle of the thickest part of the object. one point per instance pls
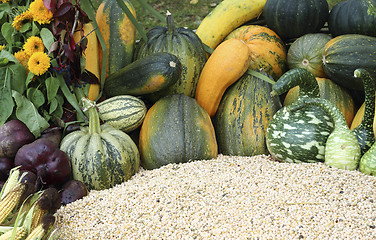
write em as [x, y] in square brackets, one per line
[3, 61]
[260, 75]
[6, 105]
[26, 27]
[28, 114]
[59, 110]
[7, 32]
[9, 56]
[52, 85]
[18, 77]
[35, 96]
[53, 105]
[29, 78]
[47, 37]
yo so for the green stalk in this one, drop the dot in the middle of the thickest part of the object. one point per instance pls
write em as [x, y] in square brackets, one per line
[261, 76]
[94, 122]
[132, 19]
[154, 12]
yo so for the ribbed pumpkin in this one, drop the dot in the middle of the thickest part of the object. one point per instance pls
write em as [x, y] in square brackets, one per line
[344, 54]
[331, 91]
[176, 130]
[267, 50]
[118, 32]
[101, 155]
[294, 18]
[184, 44]
[306, 52]
[353, 16]
[243, 116]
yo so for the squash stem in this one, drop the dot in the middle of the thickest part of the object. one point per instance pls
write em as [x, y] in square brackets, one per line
[170, 23]
[94, 122]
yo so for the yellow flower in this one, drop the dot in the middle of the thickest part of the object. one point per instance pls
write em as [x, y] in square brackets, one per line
[22, 57]
[5, 1]
[40, 13]
[33, 44]
[2, 47]
[39, 63]
[21, 19]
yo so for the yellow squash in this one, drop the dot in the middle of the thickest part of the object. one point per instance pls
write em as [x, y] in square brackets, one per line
[225, 17]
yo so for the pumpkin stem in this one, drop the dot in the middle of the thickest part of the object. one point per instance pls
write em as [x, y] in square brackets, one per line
[94, 122]
[170, 23]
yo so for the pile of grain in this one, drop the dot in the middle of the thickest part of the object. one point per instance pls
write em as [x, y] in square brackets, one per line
[228, 198]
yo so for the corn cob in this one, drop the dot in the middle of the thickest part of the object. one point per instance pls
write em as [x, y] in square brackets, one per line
[20, 233]
[10, 201]
[38, 232]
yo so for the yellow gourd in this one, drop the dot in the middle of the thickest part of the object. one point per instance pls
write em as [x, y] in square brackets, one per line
[228, 62]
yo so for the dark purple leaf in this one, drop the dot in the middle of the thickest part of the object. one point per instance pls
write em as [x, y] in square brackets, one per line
[65, 12]
[68, 52]
[50, 4]
[89, 77]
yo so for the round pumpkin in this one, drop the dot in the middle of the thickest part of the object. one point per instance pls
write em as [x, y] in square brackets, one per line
[331, 91]
[101, 155]
[267, 50]
[176, 129]
[294, 18]
[186, 46]
[353, 16]
[306, 52]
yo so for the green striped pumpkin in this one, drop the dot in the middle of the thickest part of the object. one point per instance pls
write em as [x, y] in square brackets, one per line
[101, 155]
[124, 112]
[344, 54]
[243, 115]
[298, 136]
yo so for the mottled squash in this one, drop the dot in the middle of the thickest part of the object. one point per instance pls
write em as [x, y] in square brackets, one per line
[267, 50]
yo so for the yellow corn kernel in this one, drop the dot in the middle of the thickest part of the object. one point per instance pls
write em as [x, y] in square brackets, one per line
[10, 201]
[20, 233]
[37, 233]
[38, 214]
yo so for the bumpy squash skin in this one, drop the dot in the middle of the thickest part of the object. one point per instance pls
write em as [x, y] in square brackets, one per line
[267, 50]
[118, 32]
[353, 16]
[103, 157]
[186, 46]
[228, 14]
[358, 118]
[344, 54]
[243, 116]
[149, 74]
[176, 130]
[306, 52]
[332, 92]
[294, 18]
[229, 61]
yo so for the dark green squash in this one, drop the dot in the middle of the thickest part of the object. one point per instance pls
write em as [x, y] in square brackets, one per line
[243, 115]
[146, 75]
[298, 136]
[176, 129]
[364, 132]
[306, 52]
[344, 54]
[184, 44]
[294, 18]
[353, 16]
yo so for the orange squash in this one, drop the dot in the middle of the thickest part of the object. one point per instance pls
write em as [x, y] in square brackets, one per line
[359, 117]
[267, 50]
[228, 62]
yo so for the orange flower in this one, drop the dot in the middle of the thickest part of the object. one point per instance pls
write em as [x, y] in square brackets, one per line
[39, 63]
[33, 44]
[21, 19]
[40, 13]
[22, 57]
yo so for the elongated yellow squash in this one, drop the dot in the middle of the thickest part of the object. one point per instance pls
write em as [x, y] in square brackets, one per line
[225, 17]
[228, 62]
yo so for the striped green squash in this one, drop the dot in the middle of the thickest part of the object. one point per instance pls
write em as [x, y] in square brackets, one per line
[124, 112]
[298, 136]
[344, 54]
[243, 115]
[101, 155]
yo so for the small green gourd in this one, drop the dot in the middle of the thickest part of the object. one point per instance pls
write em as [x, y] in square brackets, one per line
[342, 149]
[364, 132]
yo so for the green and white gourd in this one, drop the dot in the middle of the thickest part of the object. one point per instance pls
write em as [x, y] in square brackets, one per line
[342, 149]
[364, 132]
[298, 136]
[101, 155]
[124, 112]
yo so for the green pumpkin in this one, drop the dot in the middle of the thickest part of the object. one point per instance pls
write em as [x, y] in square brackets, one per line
[176, 129]
[101, 155]
[243, 115]
[184, 44]
[294, 18]
[353, 16]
